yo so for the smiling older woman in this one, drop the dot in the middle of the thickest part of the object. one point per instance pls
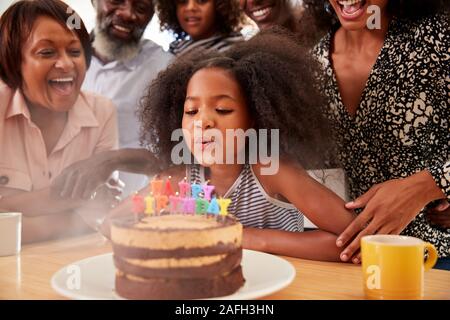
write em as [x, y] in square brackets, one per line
[46, 123]
[386, 76]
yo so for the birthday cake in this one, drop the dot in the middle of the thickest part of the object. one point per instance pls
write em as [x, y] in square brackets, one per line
[181, 245]
[177, 256]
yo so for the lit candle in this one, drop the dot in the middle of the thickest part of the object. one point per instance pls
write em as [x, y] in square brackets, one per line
[224, 204]
[184, 187]
[201, 206]
[161, 203]
[157, 186]
[175, 202]
[138, 205]
[196, 189]
[213, 207]
[168, 188]
[149, 204]
[207, 190]
[189, 205]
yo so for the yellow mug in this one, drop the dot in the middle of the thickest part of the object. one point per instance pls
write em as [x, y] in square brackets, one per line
[393, 266]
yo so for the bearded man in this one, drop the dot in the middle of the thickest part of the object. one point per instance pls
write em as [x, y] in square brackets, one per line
[123, 66]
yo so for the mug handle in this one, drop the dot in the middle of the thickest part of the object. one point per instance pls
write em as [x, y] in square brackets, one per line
[432, 256]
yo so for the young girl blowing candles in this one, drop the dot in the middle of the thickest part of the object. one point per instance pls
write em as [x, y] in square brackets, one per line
[265, 83]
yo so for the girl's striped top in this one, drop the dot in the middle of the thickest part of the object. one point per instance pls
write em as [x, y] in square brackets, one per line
[252, 205]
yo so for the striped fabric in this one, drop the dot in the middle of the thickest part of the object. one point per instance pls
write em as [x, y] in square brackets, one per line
[252, 205]
[218, 42]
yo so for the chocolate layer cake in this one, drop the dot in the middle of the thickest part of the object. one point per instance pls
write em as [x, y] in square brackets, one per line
[177, 257]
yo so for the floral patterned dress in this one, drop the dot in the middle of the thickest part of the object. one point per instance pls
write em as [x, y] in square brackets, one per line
[402, 123]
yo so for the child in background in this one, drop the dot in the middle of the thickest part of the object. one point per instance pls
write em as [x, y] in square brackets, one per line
[207, 24]
[265, 83]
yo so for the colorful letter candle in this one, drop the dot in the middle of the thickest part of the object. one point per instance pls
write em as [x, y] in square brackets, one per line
[175, 203]
[157, 186]
[213, 207]
[189, 205]
[161, 203]
[185, 188]
[224, 204]
[191, 199]
[138, 205]
[208, 190]
[201, 206]
[168, 188]
[196, 189]
[149, 205]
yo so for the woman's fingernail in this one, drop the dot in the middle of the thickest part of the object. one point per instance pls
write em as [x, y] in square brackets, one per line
[339, 243]
[344, 257]
[356, 260]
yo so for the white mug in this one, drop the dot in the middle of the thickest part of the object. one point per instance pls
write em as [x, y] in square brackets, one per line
[10, 233]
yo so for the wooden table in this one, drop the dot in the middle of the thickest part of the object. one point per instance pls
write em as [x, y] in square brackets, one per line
[27, 276]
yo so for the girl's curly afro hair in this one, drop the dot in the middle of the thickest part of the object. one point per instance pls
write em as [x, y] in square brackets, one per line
[228, 17]
[277, 77]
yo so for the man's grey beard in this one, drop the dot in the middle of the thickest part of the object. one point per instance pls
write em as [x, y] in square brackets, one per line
[113, 49]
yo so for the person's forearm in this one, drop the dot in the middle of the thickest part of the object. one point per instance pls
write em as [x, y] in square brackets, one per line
[37, 203]
[139, 161]
[429, 189]
[312, 245]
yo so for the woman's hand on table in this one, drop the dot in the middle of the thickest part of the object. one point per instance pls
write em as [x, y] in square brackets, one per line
[387, 209]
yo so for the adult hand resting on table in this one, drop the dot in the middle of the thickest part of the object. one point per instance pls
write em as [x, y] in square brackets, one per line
[387, 209]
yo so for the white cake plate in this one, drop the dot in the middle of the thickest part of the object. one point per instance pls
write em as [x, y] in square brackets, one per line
[93, 278]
